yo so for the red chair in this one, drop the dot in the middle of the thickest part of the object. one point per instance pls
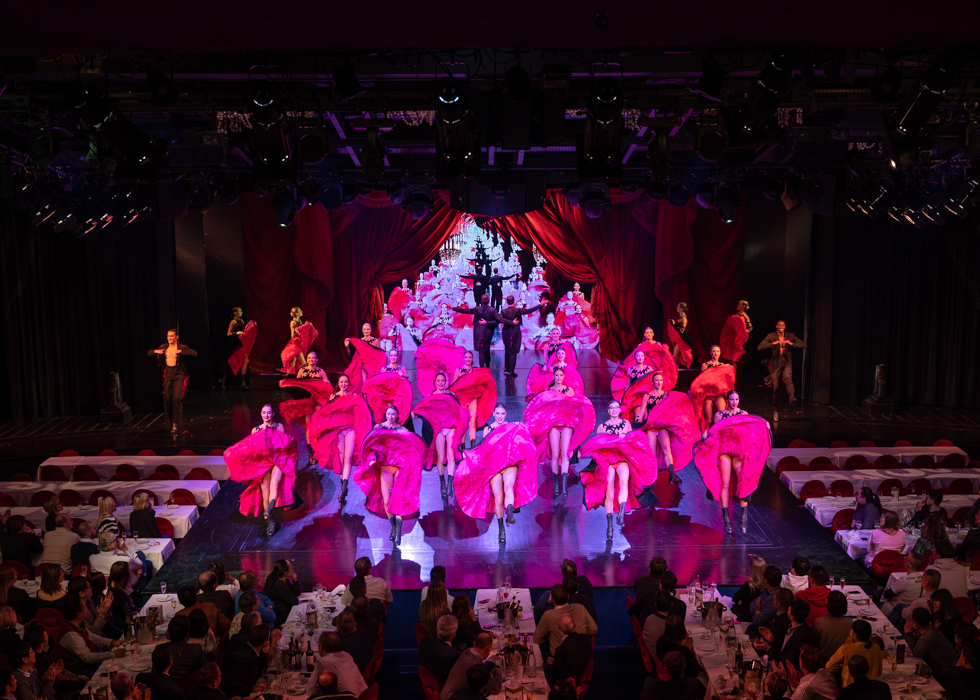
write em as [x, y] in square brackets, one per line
[943, 443]
[420, 632]
[638, 634]
[371, 693]
[168, 469]
[430, 686]
[40, 497]
[165, 527]
[837, 444]
[922, 462]
[867, 443]
[151, 497]
[886, 563]
[39, 569]
[797, 444]
[83, 472]
[820, 462]
[809, 445]
[108, 453]
[19, 569]
[50, 618]
[855, 462]
[68, 453]
[886, 461]
[967, 608]
[81, 570]
[784, 463]
[902, 443]
[93, 500]
[954, 460]
[199, 474]
[378, 648]
[181, 497]
[146, 453]
[52, 472]
[886, 486]
[943, 512]
[841, 487]
[216, 453]
[975, 562]
[962, 486]
[21, 476]
[917, 485]
[586, 680]
[187, 453]
[71, 497]
[812, 489]
[162, 476]
[662, 671]
[974, 464]
[129, 471]
[959, 517]
[842, 519]
[7, 501]
[121, 477]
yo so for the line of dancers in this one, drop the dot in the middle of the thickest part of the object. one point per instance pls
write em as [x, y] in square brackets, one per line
[361, 430]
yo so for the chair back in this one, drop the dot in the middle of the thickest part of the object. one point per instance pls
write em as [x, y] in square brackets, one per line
[886, 486]
[52, 472]
[146, 453]
[40, 497]
[885, 563]
[662, 671]
[371, 693]
[855, 462]
[812, 489]
[967, 608]
[84, 472]
[430, 686]
[165, 527]
[187, 453]
[886, 461]
[961, 486]
[68, 453]
[199, 474]
[93, 500]
[842, 519]
[181, 497]
[108, 453]
[797, 443]
[81, 570]
[7, 501]
[168, 469]
[21, 476]
[19, 569]
[216, 453]
[129, 471]
[839, 444]
[943, 443]
[50, 618]
[586, 680]
[922, 462]
[121, 477]
[161, 476]
[150, 496]
[867, 443]
[820, 462]
[954, 460]
[902, 443]
[785, 462]
[809, 445]
[71, 497]
[917, 485]
[975, 562]
[842, 487]
[420, 632]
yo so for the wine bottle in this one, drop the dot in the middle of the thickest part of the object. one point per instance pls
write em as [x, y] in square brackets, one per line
[309, 659]
[739, 656]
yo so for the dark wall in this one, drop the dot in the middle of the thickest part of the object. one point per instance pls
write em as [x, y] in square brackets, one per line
[225, 263]
[191, 294]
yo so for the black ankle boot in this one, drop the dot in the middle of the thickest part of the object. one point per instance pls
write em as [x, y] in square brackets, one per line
[393, 527]
[564, 484]
[343, 489]
[727, 520]
[442, 486]
[270, 524]
[554, 485]
[673, 478]
[452, 490]
[621, 518]
[398, 531]
[501, 531]
[510, 514]
[609, 526]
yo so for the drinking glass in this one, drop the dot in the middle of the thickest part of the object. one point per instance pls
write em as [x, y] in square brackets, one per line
[831, 581]
[532, 666]
[136, 535]
[163, 587]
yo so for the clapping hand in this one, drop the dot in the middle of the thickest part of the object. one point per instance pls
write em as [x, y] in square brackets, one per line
[766, 634]
[54, 670]
[105, 605]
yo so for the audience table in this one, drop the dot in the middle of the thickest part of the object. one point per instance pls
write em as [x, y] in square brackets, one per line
[168, 604]
[486, 598]
[855, 542]
[203, 490]
[181, 517]
[872, 478]
[824, 509]
[839, 455]
[328, 607]
[105, 467]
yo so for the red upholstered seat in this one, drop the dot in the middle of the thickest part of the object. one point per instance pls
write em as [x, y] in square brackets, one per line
[842, 519]
[917, 486]
[922, 462]
[108, 453]
[797, 443]
[71, 497]
[867, 443]
[181, 497]
[886, 563]
[52, 472]
[837, 444]
[20, 570]
[84, 472]
[430, 686]
[146, 453]
[960, 486]
[199, 474]
[820, 462]
[886, 486]
[187, 453]
[784, 462]
[856, 462]
[165, 527]
[842, 487]
[21, 476]
[954, 460]
[216, 453]
[886, 461]
[943, 443]
[959, 517]
[812, 489]
[129, 471]
[902, 443]
[68, 453]
[93, 500]
[40, 497]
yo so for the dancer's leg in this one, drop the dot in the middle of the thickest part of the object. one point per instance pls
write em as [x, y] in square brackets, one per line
[510, 479]
[472, 425]
[709, 414]
[623, 472]
[441, 453]
[653, 439]
[737, 466]
[450, 452]
[663, 437]
[610, 502]
[497, 486]
[348, 455]
[725, 468]
[554, 440]
[264, 487]
[387, 484]
[566, 440]
[275, 483]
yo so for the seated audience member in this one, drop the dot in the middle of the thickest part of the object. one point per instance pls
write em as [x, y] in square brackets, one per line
[572, 655]
[816, 594]
[113, 549]
[437, 654]
[971, 544]
[51, 593]
[158, 680]
[966, 635]
[58, 543]
[931, 580]
[889, 537]
[954, 576]
[433, 606]
[642, 609]
[185, 657]
[143, 519]
[246, 584]
[798, 635]
[817, 683]
[469, 626]
[16, 598]
[563, 690]
[568, 568]
[438, 573]
[653, 628]
[928, 643]
[477, 679]
[201, 631]
[365, 617]
[777, 627]
[187, 595]
[282, 588]
[475, 655]
[859, 644]
[763, 607]
[208, 684]
[547, 633]
[209, 593]
[750, 590]
[650, 584]
[327, 687]
[358, 588]
[87, 545]
[376, 587]
[798, 578]
[80, 650]
[240, 639]
[332, 658]
[867, 511]
[926, 507]
[242, 668]
[675, 638]
[945, 615]
[679, 687]
[963, 680]
[123, 688]
[96, 616]
[834, 628]
[861, 686]
[119, 581]
[9, 639]
[571, 585]
[245, 604]
[904, 590]
[354, 641]
[19, 543]
[31, 683]
[226, 582]
[53, 507]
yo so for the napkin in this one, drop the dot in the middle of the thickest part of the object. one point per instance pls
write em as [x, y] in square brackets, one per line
[339, 590]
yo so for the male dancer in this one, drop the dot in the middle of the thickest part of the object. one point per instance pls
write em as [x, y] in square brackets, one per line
[782, 344]
[497, 287]
[512, 333]
[170, 357]
[485, 319]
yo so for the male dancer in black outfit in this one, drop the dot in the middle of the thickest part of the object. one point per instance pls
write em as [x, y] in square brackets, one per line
[485, 319]
[511, 333]
[170, 357]
[497, 288]
[782, 344]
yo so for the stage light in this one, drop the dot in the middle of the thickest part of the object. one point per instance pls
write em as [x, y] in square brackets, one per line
[131, 154]
[963, 196]
[656, 190]
[711, 141]
[396, 192]
[42, 145]
[726, 202]
[456, 144]
[594, 199]
[373, 158]
[418, 200]
[704, 194]
[518, 83]
[970, 138]
[229, 192]
[162, 89]
[599, 150]
[284, 205]
[811, 191]
[572, 192]
[897, 214]
[933, 211]
[773, 186]
[658, 156]
[201, 196]
[872, 206]
[331, 192]
[709, 84]
[678, 194]
[763, 99]
[273, 143]
[907, 123]
[345, 81]
[914, 217]
[888, 84]
[312, 146]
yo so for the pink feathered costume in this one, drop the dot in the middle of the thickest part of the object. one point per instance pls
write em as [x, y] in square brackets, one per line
[401, 449]
[332, 418]
[388, 389]
[540, 378]
[433, 356]
[298, 410]
[734, 335]
[478, 384]
[298, 345]
[745, 436]
[367, 357]
[687, 354]
[247, 339]
[508, 445]
[398, 302]
[658, 356]
[249, 460]
[443, 411]
[712, 382]
[610, 450]
[551, 409]
[675, 415]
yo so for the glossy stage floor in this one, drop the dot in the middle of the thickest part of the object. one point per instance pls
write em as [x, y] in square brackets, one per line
[323, 542]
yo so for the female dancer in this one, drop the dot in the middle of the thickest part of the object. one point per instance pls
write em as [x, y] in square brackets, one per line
[735, 333]
[301, 337]
[670, 425]
[733, 410]
[447, 419]
[679, 337]
[708, 390]
[407, 335]
[433, 356]
[739, 443]
[476, 390]
[309, 389]
[393, 364]
[265, 462]
[622, 468]
[241, 338]
[541, 376]
[500, 474]
[337, 428]
[559, 421]
[368, 357]
[389, 387]
[656, 355]
[390, 474]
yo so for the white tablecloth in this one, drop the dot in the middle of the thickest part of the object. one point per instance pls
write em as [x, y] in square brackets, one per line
[839, 455]
[106, 466]
[168, 603]
[823, 509]
[488, 620]
[203, 491]
[296, 620]
[855, 542]
[181, 517]
[156, 550]
[873, 477]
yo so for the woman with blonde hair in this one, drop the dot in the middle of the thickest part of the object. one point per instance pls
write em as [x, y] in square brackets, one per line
[750, 590]
[107, 517]
[143, 521]
[52, 507]
[434, 606]
[52, 595]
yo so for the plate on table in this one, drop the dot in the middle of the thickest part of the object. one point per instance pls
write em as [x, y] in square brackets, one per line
[704, 646]
[894, 677]
[165, 598]
[921, 680]
[931, 695]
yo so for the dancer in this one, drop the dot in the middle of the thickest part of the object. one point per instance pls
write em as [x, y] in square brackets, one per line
[170, 357]
[301, 337]
[480, 283]
[485, 319]
[541, 377]
[241, 338]
[445, 422]
[497, 287]
[477, 393]
[309, 389]
[337, 429]
[554, 343]
[735, 333]
[393, 364]
[500, 474]
[433, 356]
[400, 299]
[709, 388]
[584, 305]
[739, 443]
[390, 474]
[781, 343]
[389, 387]
[265, 462]
[512, 333]
[679, 337]
[407, 335]
[670, 425]
[622, 471]
[656, 355]
[559, 421]
[732, 410]
[368, 358]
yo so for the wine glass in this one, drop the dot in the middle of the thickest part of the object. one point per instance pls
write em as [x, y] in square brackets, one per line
[163, 588]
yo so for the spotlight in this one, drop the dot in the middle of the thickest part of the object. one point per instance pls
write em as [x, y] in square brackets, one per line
[265, 106]
[914, 217]
[331, 192]
[273, 143]
[886, 86]
[959, 202]
[284, 205]
[812, 190]
[934, 214]
[456, 144]
[790, 195]
[418, 200]
[42, 145]
[656, 190]
[773, 186]
[594, 199]
[726, 202]
[658, 156]
[123, 150]
[396, 193]
[345, 81]
[760, 104]
[711, 141]
[312, 146]
[678, 194]
[872, 206]
[229, 192]
[162, 90]
[599, 150]
[970, 138]
[572, 192]
[704, 194]
[201, 197]
[907, 123]
[896, 213]
[709, 84]
[518, 83]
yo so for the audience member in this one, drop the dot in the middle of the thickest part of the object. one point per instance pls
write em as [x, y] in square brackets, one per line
[87, 545]
[107, 517]
[377, 608]
[208, 684]
[246, 584]
[9, 640]
[82, 651]
[436, 653]
[926, 507]
[675, 638]
[365, 617]
[834, 628]
[158, 680]
[376, 587]
[96, 616]
[653, 628]
[778, 626]
[433, 606]
[59, 541]
[52, 508]
[816, 594]
[776, 685]
[966, 635]
[906, 589]
[574, 653]
[327, 687]
[568, 568]
[867, 511]
[354, 641]
[469, 625]
[963, 680]
[438, 573]
[888, 537]
[861, 686]
[123, 688]
[112, 549]
[245, 604]
[859, 644]
[954, 576]
[477, 679]
[571, 585]
[185, 657]
[563, 690]
[282, 588]
[971, 544]
[143, 519]
[226, 582]
[51, 593]
[798, 578]
[547, 633]
[19, 543]
[798, 635]
[817, 683]
[642, 609]
[16, 598]
[187, 595]
[945, 615]
[650, 584]
[209, 593]
[931, 580]
[201, 632]
[332, 658]
[679, 687]
[31, 683]
[763, 608]
[749, 590]
[243, 667]
[475, 655]
[929, 644]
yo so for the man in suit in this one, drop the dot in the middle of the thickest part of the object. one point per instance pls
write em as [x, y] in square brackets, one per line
[971, 544]
[437, 654]
[86, 546]
[572, 655]
[186, 657]
[497, 287]
[158, 680]
[511, 333]
[480, 284]
[242, 668]
[485, 319]
[797, 636]
[571, 585]
[477, 679]
[678, 687]
[475, 655]
[547, 634]
[354, 641]
[650, 584]
[221, 600]
[647, 606]
[170, 358]
[208, 685]
[782, 343]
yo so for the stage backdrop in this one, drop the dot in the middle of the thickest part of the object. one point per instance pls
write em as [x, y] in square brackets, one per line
[638, 256]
